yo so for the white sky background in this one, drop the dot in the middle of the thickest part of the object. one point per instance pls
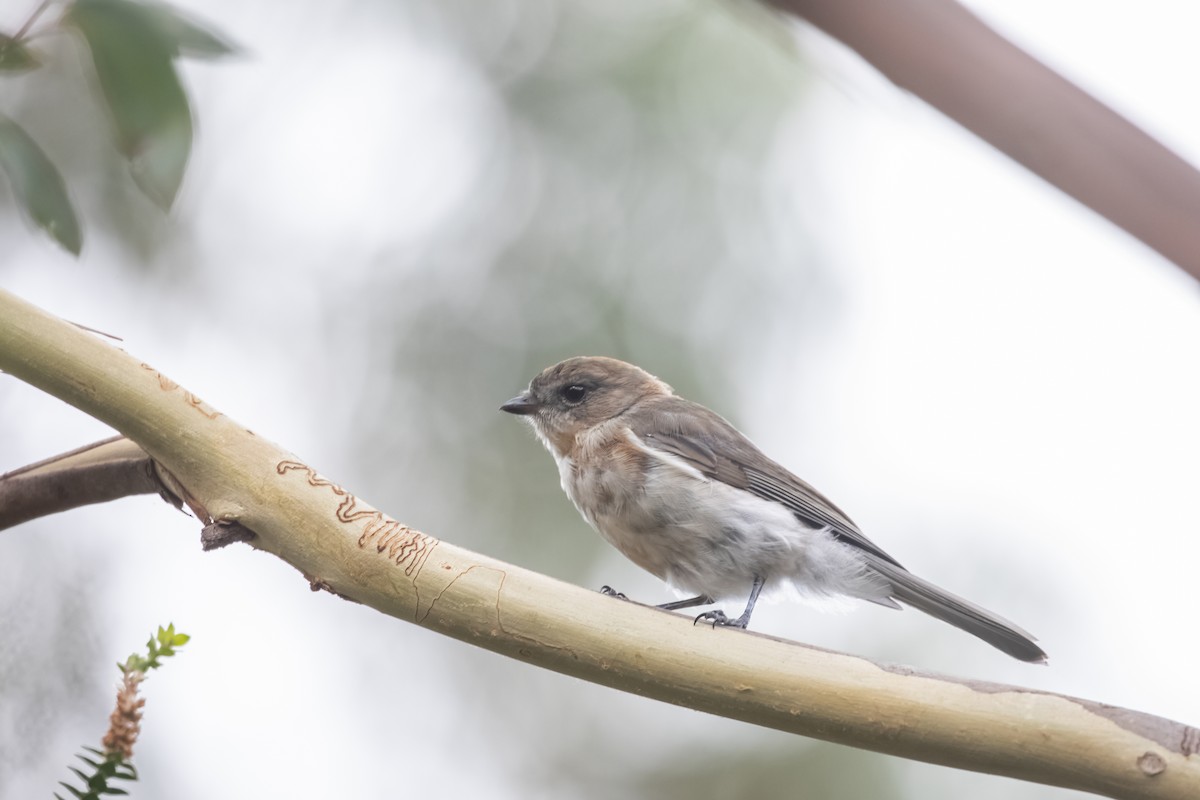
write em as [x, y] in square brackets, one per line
[1009, 385]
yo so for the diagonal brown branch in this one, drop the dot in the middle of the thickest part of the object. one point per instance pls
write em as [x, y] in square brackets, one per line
[97, 473]
[948, 57]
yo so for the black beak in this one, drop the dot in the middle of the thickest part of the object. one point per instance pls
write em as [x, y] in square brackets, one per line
[522, 404]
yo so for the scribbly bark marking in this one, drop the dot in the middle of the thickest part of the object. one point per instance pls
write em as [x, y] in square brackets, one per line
[168, 385]
[407, 547]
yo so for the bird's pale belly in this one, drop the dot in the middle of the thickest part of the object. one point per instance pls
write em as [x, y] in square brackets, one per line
[698, 535]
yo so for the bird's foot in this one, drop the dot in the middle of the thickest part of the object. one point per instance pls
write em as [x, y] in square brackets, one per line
[609, 591]
[717, 617]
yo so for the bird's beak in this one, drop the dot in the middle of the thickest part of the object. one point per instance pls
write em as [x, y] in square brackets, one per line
[522, 404]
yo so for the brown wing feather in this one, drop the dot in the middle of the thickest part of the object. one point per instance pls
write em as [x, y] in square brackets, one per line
[714, 447]
[709, 443]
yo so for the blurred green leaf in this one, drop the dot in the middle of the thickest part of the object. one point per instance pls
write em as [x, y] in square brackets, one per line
[15, 56]
[188, 37]
[133, 59]
[37, 186]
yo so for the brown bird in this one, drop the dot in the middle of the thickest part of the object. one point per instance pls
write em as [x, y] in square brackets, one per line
[684, 495]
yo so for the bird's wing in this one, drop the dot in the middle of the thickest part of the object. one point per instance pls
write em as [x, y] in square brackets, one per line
[706, 441]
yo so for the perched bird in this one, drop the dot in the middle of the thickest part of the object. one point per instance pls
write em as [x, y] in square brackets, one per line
[684, 495]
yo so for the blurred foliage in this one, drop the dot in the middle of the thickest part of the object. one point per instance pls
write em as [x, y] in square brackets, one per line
[133, 46]
[37, 186]
[15, 55]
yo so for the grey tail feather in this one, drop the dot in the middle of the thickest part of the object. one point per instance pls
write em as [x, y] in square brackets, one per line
[962, 614]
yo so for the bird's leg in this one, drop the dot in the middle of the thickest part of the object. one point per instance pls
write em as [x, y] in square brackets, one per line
[699, 600]
[717, 617]
[609, 591]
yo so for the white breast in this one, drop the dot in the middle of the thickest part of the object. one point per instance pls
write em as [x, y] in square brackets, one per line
[703, 536]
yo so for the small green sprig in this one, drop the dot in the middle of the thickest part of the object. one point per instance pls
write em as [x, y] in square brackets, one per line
[161, 645]
[109, 767]
[115, 761]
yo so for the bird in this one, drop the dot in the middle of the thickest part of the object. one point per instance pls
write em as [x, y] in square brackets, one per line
[686, 496]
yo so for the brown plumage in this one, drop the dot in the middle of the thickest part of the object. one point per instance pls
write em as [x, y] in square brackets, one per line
[684, 495]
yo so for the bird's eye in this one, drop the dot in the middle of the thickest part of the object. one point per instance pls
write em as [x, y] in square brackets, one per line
[574, 394]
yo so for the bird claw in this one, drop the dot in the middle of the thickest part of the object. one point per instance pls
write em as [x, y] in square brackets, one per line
[717, 617]
[609, 591]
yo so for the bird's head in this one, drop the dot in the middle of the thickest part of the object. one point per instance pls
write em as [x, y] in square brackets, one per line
[576, 395]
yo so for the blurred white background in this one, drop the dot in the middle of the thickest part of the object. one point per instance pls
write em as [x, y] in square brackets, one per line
[397, 213]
